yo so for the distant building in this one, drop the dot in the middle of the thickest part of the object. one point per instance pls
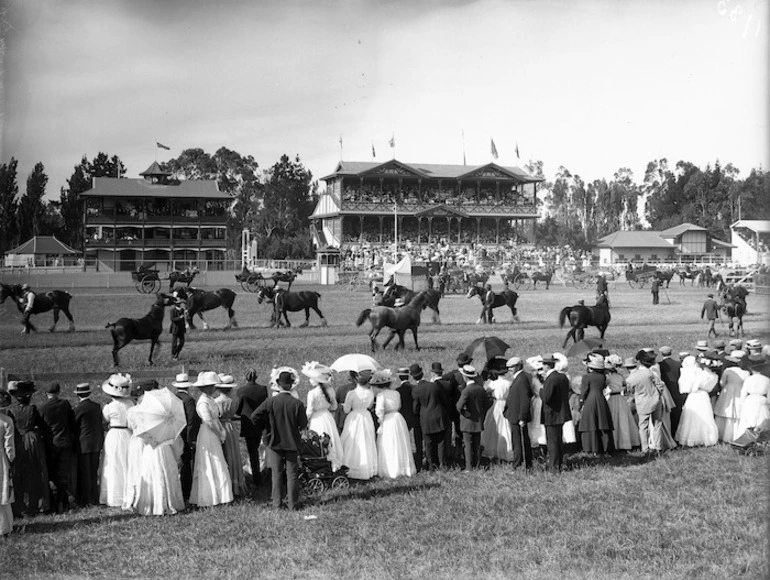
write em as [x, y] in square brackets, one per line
[751, 242]
[41, 251]
[154, 220]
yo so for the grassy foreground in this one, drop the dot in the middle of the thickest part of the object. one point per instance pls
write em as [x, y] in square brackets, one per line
[697, 513]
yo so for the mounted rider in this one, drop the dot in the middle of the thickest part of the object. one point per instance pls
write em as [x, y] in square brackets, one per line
[27, 302]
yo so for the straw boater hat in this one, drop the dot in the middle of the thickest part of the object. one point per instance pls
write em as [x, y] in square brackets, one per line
[630, 363]
[182, 381]
[684, 354]
[514, 361]
[316, 372]
[702, 345]
[83, 389]
[207, 379]
[226, 382]
[753, 344]
[118, 385]
[381, 378]
[468, 371]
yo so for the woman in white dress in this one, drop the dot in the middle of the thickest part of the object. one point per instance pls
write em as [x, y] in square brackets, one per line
[626, 431]
[114, 466]
[211, 478]
[727, 409]
[135, 453]
[535, 427]
[232, 444]
[394, 447]
[496, 436]
[359, 448]
[321, 401]
[755, 408]
[696, 425]
[7, 455]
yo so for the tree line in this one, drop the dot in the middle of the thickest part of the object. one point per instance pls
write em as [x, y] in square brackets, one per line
[276, 203]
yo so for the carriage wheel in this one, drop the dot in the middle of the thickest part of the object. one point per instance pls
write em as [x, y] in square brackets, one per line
[139, 287]
[314, 487]
[150, 285]
[245, 285]
[643, 281]
[635, 283]
[252, 286]
[577, 283]
[340, 482]
[522, 281]
[586, 283]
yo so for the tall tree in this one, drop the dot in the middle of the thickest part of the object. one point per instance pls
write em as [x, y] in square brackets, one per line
[288, 198]
[9, 188]
[31, 211]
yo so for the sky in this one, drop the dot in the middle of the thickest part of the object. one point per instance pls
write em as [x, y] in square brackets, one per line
[589, 85]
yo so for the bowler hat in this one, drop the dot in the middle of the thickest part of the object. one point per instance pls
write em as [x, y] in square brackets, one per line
[436, 368]
[285, 380]
[53, 388]
[83, 389]
[463, 359]
[147, 384]
[415, 370]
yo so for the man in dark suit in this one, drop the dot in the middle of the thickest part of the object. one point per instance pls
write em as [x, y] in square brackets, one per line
[669, 374]
[89, 440]
[285, 417]
[182, 385]
[178, 327]
[455, 383]
[472, 408]
[432, 409]
[249, 397]
[555, 411]
[405, 389]
[517, 411]
[59, 436]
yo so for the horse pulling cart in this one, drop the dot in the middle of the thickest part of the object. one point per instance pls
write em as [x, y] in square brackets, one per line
[146, 280]
[250, 281]
[640, 277]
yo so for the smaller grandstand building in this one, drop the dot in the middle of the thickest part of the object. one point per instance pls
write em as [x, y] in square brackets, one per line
[751, 242]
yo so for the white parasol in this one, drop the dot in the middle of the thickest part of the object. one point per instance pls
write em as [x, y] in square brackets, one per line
[159, 417]
[355, 362]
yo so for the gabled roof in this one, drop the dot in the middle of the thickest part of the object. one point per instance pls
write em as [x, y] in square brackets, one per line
[429, 170]
[677, 231]
[114, 187]
[43, 245]
[758, 226]
[634, 239]
[154, 169]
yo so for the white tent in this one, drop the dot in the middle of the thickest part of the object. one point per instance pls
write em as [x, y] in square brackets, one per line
[401, 272]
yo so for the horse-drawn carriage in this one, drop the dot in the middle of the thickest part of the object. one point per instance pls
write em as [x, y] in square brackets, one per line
[579, 278]
[640, 277]
[146, 279]
[252, 281]
[183, 278]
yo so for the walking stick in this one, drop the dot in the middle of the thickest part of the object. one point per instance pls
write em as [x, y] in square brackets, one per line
[667, 298]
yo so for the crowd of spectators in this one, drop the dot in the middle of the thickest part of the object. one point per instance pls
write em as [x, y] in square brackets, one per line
[407, 196]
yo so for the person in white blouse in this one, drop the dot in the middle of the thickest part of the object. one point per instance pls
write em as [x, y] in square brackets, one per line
[321, 401]
[359, 447]
[7, 455]
[114, 467]
[394, 446]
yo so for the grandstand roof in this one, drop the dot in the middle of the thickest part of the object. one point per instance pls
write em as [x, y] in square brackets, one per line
[130, 187]
[758, 226]
[634, 239]
[677, 231]
[43, 245]
[430, 170]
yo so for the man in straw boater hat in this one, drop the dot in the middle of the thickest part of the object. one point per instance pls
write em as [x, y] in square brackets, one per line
[189, 434]
[250, 396]
[518, 412]
[59, 438]
[89, 440]
[430, 405]
[555, 411]
[285, 417]
[711, 311]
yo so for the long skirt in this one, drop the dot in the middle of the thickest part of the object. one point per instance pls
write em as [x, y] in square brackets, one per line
[727, 413]
[322, 423]
[697, 426]
[536, 428]
[359, 448]
[755, 410]
[496, 436]
[30, 478]
[114, 467]
[6, 495]
[394, 447]
[160, 489]
[211, 478]
[133, 471]
[626, 432]
[232, 451]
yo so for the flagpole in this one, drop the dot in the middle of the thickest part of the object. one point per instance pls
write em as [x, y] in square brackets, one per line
[463, 134]
[340, 147]
[395, 231]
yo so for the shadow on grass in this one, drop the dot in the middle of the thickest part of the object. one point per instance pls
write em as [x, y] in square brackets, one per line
[365, 490]
[617, 459]
[43, 527]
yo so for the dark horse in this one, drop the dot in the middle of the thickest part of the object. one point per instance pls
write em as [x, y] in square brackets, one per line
[149, 327]
[688, 273]
[541, 277]
[505, 298]
[200, 301]
[399, 320]
[56, 300]
[285, 301]
[185, 278]
[288, 276]
[735, 308]
[665, 276]
[395, 291]
[581, 316]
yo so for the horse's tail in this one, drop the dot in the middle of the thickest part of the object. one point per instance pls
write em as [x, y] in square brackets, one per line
[565, 312]
[317, 295]
[363, 316]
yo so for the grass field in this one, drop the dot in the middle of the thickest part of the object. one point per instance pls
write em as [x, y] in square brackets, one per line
[696, 513]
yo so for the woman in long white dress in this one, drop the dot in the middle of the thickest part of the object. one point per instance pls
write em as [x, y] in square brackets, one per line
[496, 440]
[114, 465]
[232, 444]
[7, 455]
[135, 454]
[394, 447]
[626, 431]
[211, 477]
[359, 447]
[535, 427]
[321, 401]
[755, 408]
[696, 425]
[727, 409]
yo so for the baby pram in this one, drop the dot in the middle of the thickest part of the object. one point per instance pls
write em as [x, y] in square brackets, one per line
[755, 440]
[315, 472]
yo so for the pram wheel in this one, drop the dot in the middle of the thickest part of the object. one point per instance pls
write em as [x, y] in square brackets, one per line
[340, 482]
[314, 487]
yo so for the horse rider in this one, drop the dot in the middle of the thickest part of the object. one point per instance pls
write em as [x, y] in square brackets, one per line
[377, 296]
[601, 289]
[27, 301]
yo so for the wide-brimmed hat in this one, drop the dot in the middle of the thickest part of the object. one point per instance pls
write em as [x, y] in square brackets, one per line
[317, 372]
[207, 379]
[702, 345]
[415, 371]
[226, 382]
[118, 385]
[737, 355]
[182, 381]
[5, 399]
[21, 388]
[684, 354]
[381, 378]
[630, 363]
[468, 371]
[535, 363]
[595, 362]
[562, 362]
[753, 344]
[83, 389]
[645, 358]
[463, 359]
[549, 360]
[284, 378]
[613, 361]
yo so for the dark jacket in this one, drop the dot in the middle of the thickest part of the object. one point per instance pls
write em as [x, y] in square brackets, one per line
[517, 406]
[250, 396]
[59, 423]
[407, 401]
[472, 407]
[285, 417]
[555, 396]
[670, 370]
[88, 427]
[431, 407]
[189, 433]
[177, 327]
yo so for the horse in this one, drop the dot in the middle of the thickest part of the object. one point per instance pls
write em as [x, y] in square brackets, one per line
[286, 276]
[581, 316]
[149, 327]
[542, 277]
[664, 276]
[56, 300]
[396, 291]
[734, 308]
[505, 298]
[399, 320]
[688, 274]
[185, 278]
[285, 301]
[200, 301]
[474, 278]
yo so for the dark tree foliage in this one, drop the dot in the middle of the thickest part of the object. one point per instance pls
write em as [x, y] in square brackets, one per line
[32, 210]
[9, 188]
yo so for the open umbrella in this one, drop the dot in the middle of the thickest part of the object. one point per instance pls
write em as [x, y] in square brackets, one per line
[354, 362]
[484, 349]
[160, 417]
[584, 346]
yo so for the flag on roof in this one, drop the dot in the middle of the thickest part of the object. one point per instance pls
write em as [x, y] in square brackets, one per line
[373, 153]
[517, 150]
[392, 141]
[162, 146]
[494, 149]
